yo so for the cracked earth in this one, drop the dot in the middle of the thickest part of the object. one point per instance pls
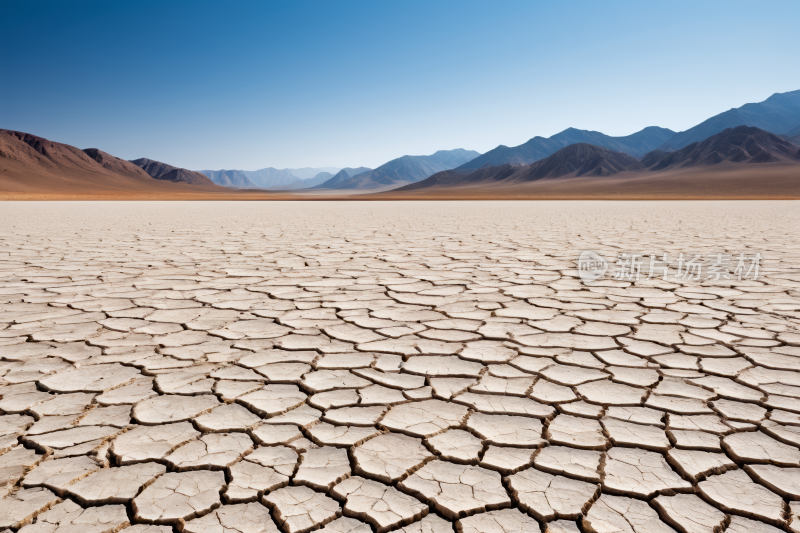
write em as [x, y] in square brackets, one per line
[417, 367]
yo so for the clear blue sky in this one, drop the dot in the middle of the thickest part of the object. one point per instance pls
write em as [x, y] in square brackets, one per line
[345, 83]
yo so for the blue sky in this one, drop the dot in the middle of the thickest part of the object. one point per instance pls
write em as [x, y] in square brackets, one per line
[332, 83]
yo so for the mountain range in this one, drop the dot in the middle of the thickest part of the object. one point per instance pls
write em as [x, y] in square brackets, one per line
[230, 178]
[636, 144]
[341, 177]
[765, 134]
[406, 169]
[285, 178]
[742, 144]
[778, 114]
[33, 165]
[165, 172]
[320, 177]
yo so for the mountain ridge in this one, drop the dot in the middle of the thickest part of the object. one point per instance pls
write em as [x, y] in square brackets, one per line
[537, 148]
[739, 145]
[166, 172]
[341, 177]
[402, 170]
[30, 164]
[230, 178]
[778, 114]
[742, 144]
[269, 177]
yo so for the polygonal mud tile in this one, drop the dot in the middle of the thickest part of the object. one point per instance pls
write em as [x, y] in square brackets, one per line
[547, 497]
[735, 492]
[425, 418]
[240, 518]
[300, 509]
[639, 472]
[176, 497]
[381, 505]
[114, 485]
[390, 457]
[501, 521]
[321, 468]
[456, 490]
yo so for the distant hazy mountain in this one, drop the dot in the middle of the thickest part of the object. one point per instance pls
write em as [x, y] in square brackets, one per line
[742, 144]
[321, 177]
[341, 177]
[285, 178]
[307, 173]
[636, 144]
[406, 169]
[778, 114]
[230, 178]
[270, 177]
[163, 171]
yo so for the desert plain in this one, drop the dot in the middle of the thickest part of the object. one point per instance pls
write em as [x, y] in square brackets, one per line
[425, 367]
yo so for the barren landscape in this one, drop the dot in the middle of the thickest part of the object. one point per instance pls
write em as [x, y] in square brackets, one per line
[425, 367]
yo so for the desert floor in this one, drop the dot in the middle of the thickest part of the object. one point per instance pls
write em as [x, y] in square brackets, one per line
[353, 367]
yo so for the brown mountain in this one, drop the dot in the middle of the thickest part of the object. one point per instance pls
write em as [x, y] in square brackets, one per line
[719, 167]
[31, 165]
[742, 144]
[578, 160]
[165, 172]
[115, 164]
[572, 161]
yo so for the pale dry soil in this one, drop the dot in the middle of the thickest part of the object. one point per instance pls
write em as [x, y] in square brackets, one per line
[420, 367]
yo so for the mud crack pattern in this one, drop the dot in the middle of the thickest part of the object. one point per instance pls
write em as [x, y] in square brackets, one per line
[416, 367]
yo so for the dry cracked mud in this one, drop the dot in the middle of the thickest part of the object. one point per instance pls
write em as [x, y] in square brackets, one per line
[373, 367]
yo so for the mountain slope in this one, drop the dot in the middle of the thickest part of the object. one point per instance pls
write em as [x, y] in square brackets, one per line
[34, 165]
[737, 146]
[777, 114]
[269, 177]
[319, 179]
[115, 164]
[307, 173]
[577, 160]
[636, 144]
[571, 161]
[341, 177]
[283, 178]
[230, 178]
[406, 169]
[742, 144]
[165, 172]
[309, 183]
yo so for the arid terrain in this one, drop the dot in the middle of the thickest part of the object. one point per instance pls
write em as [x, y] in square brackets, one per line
[424, 367]
[741, 163]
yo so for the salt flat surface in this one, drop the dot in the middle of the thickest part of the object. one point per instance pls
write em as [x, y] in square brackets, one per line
[416, 366]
